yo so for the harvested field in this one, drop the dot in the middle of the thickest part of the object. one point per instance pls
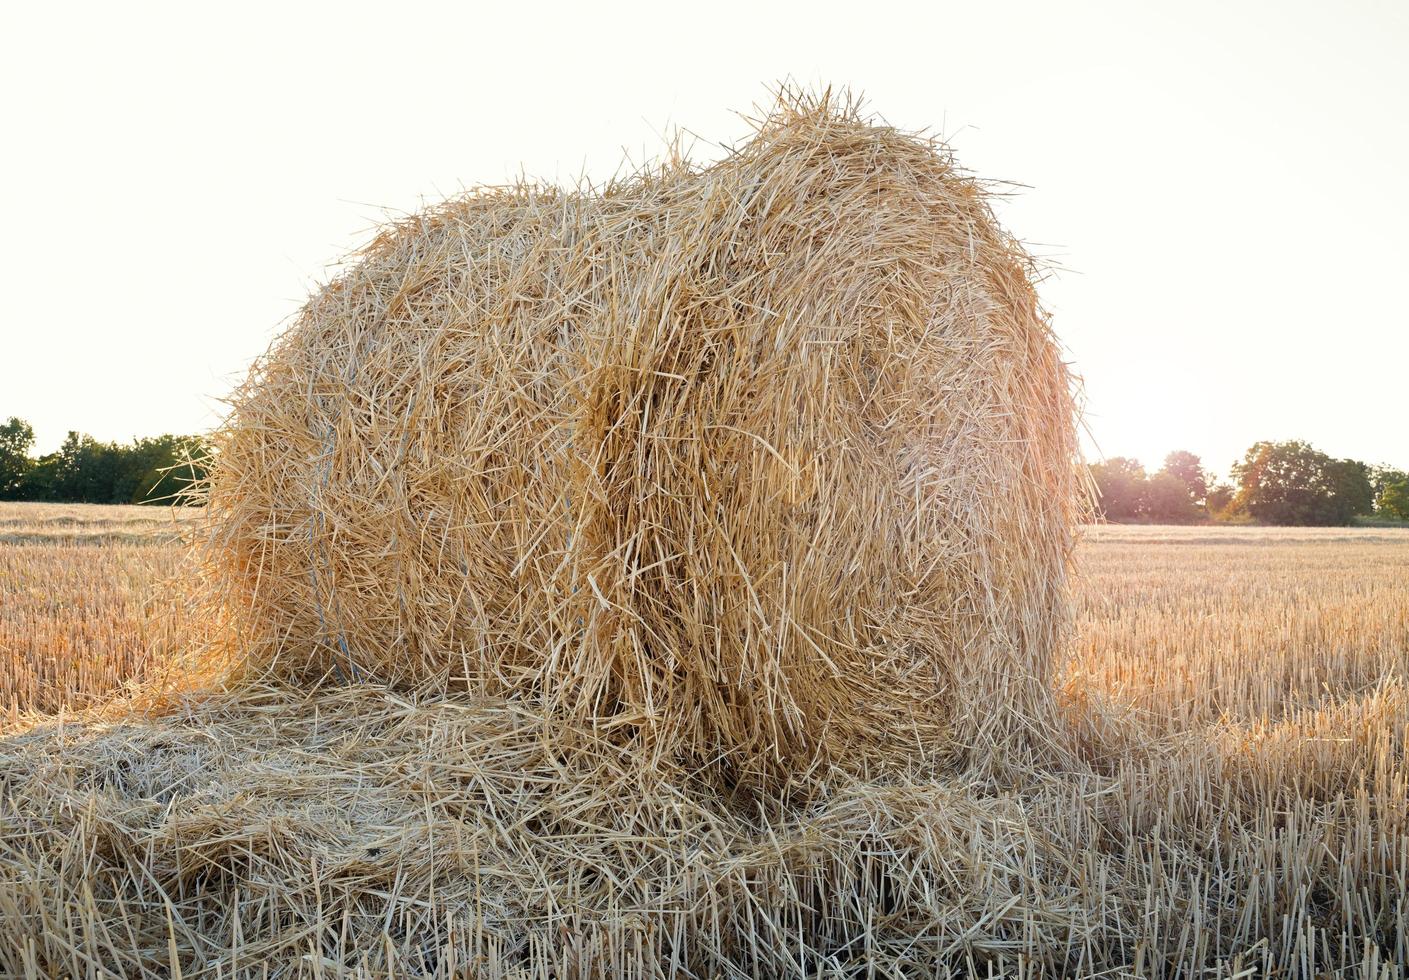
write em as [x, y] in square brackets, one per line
[79, 587]
[1238, 694]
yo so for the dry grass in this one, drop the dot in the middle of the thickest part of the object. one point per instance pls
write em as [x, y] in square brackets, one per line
[79, 585]
[94, 524]
[1204, 630]
[1239, 699]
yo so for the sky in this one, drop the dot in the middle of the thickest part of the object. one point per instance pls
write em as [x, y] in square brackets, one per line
[1217, 189]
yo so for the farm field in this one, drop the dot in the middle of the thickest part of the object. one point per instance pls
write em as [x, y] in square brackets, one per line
[78, 587]
[1239, 695]
[1175, 625]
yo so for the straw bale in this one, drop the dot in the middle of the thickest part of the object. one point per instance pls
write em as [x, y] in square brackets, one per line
[767, 464]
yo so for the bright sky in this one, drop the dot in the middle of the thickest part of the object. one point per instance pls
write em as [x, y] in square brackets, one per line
[1223, 184]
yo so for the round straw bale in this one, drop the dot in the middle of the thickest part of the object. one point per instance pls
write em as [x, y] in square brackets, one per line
[769, 464]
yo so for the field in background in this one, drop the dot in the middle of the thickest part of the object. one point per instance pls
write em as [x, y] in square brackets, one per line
[1177, 627]
[1238, 694]
[78, 584]
[1178, 630]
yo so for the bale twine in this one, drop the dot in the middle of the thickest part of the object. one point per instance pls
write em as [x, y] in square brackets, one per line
[767, 464]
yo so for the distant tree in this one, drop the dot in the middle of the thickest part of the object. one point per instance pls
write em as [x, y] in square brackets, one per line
[1351, 491]
[1382, 477]
[85, 471]
[1219, 497]
[16, 438]
[1283, 483]
[1394, 500]
[1294, 483]
[40, 480]
[158, 469]
[164, 468]
[1189, 470]
[1167, 500]
[1121, 484]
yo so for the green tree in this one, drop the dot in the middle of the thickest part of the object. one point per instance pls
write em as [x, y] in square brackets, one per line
[163, 469]
[1189, 470]
[86, 470]
[1219, 497]
[1167, 500]
[1351, 491]
[1121, 484]
[1383, 475]
[1394, 500]
[1294, 483]
[159, 469]
[40, 481]
[1381, 478]
[16, 438]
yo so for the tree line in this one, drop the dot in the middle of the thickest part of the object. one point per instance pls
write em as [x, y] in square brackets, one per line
[83, 470]
[1274, 483]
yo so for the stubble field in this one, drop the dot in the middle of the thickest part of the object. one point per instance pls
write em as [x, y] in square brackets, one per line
[1239, 692]
[79, 585]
